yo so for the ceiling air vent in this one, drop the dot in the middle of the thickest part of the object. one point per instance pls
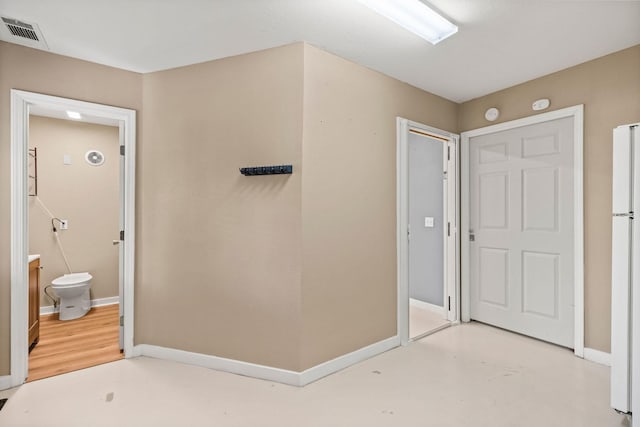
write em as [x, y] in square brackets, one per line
[20, 32]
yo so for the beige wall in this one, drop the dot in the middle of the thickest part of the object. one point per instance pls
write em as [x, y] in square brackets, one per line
[219, 269]
[37, 71]
[85, 195]
[271, 268]
[290, 271]
[349, 201]
[219, 256]
[609, 88]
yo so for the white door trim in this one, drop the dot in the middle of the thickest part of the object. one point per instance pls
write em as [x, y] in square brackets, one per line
[402, 223]
[577, 113]
[122, 221]
[21, 103]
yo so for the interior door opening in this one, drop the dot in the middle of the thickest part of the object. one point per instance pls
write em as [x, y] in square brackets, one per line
[121, 245]
[75, 293]
[427, 233]
[427, 230]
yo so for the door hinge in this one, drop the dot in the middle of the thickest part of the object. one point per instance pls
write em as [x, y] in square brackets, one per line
[122, 150]
[627, 215]
[409, 232]
[449, 303]
[121, 320]
[122, 235]
[448, 229]
[448, 153]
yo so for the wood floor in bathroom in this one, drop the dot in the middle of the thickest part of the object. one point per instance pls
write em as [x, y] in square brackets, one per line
[70, 345]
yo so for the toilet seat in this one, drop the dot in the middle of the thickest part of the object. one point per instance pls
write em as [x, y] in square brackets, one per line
[71, 280]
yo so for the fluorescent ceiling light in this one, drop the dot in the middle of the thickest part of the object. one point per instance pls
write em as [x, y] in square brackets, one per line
[414, 16]
[74, 115]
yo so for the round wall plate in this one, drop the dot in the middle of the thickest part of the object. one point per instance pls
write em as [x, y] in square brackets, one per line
[492, 114]
[540, 104]
[94, 157]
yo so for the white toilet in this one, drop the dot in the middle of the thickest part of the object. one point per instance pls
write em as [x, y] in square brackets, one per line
[73, 290]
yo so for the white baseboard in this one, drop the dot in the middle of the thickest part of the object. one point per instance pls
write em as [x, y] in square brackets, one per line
[219, 364]
[427, 306]
[597, 356]
[266, 372]
[48, 309]
[99, 302]
[327, 368]
[105, 301]
[5, 382]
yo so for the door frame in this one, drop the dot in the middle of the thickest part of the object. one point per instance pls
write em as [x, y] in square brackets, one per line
[577, 113]
[21, 104]
[404, 126]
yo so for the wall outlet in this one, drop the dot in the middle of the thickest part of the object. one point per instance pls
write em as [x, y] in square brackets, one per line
[64, 224]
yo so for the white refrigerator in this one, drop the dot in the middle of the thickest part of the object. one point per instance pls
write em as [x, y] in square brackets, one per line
[625, 280]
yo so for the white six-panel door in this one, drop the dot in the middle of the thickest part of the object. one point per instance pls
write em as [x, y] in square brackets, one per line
[521, 251]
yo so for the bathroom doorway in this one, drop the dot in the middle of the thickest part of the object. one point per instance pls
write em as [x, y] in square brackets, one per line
[74, 224]
[73, 169]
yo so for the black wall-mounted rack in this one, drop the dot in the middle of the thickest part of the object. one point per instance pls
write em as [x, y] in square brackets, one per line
[267, 170]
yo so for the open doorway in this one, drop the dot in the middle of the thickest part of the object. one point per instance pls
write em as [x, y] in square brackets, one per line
[74, 224]
[427, 230]
[119, 124]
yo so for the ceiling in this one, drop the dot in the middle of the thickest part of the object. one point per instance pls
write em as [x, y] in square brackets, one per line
[61, 114]
[500, 42]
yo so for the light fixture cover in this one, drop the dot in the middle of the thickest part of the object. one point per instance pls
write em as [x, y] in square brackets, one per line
[74, 115]
[540, 104]
[492, 114]
[414, 16]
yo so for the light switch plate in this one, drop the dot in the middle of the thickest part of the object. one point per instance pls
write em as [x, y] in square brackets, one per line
[66, 159]
[429, 221]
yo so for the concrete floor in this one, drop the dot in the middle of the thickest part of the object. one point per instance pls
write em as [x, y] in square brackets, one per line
[467, 375]
[423, 322]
